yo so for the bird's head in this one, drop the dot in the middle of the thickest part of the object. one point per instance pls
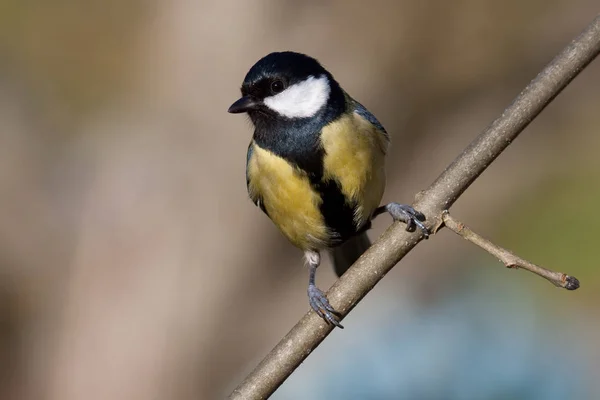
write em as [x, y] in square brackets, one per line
[286, 85]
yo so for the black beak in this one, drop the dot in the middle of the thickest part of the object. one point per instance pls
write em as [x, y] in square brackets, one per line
[244, 104]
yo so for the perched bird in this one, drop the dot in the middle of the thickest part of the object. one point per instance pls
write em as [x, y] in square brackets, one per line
[315, 165]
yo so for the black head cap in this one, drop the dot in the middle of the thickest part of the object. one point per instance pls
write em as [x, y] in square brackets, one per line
[274, 73]
[288, 66]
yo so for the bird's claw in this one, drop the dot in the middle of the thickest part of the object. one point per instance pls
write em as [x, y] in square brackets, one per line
[319, 303]
[411, 217]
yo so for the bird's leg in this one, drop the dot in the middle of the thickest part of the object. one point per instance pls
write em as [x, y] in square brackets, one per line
[404, 213]
[317, 299]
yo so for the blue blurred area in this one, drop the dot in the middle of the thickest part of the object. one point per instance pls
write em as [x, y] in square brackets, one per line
[479, 340]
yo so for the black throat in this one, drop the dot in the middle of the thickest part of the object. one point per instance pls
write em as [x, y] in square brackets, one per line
[298, 140]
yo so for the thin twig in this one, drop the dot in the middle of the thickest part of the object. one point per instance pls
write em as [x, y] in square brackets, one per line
[395, 242]
[509, 259]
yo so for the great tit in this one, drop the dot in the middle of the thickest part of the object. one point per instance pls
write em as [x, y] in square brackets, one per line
[315, 164]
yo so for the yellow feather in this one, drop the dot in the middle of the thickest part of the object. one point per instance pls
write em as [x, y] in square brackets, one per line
[355, 152]
[290, 201]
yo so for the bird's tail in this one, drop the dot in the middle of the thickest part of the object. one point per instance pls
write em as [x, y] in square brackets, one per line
[344, 255]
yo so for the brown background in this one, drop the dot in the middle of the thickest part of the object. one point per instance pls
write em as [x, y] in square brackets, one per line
[132, 264]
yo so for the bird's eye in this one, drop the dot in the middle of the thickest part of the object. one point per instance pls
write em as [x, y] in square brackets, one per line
[277, 86]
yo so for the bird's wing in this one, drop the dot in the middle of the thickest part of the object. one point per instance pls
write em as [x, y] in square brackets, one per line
[366, 114]
[255, 199]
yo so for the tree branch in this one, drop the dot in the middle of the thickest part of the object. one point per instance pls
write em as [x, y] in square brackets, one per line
[395, 242]
[509, 259]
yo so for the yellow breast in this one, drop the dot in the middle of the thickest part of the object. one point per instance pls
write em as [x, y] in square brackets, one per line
[288, 197]
[354, 159]
[355, 156]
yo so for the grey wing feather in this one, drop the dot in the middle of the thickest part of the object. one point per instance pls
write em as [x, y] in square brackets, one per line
[258, 201]
[248, 155]
[366, 114]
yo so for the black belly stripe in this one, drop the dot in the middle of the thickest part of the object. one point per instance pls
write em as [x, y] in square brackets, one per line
[337, 212]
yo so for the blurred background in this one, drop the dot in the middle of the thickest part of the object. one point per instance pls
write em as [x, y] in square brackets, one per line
[133, 265]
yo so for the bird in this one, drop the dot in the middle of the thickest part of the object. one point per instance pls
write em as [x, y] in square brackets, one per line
[315, 164]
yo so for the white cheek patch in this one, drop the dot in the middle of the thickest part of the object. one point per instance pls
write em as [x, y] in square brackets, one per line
[301, 100]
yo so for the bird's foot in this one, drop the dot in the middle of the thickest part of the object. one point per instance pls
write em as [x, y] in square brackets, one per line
[405, 213]
[319, 303]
